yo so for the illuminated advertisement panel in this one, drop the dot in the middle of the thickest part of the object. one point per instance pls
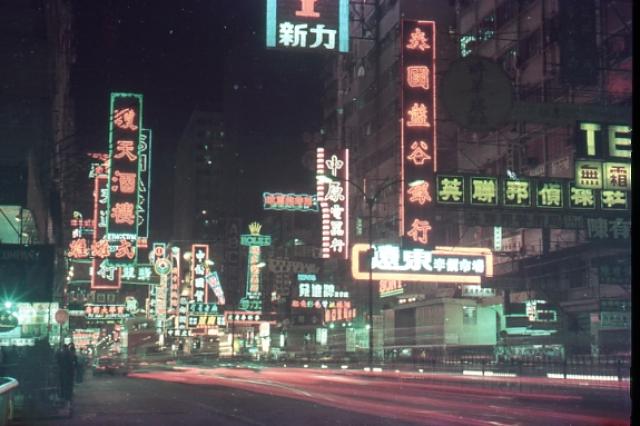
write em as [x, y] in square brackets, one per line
[418, 129]
[311, 25]
[254, 241]
[517, 193]
[289, 202]
[332, 171]
[124, 176]
[144, 184]
[199, 258]
[550, 194]
[104, 275]
[443, 264]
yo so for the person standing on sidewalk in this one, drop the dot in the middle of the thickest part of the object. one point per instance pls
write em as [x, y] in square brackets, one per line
[66, 365]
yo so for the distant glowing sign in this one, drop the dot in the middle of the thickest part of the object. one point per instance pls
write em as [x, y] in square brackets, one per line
[418, 133]
[213, 282]
[317, 290]
[174, 286]
[105, 312]
[443, 264]
[390, 288]
[320, 25]
[333, 196]
[199, 270]
[124, 176]
[289, 202]
[254, 241]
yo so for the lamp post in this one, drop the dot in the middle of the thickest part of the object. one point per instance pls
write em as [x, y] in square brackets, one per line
[370, 200]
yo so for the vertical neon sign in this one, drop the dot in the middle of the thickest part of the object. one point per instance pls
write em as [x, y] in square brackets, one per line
[104, 275]
[199, 258]
[125, 126]
[418, 132]
[333, 197]
[175, 279]
[144, 184]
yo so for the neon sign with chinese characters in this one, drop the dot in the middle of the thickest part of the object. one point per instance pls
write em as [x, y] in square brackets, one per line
[443, 264]
[104, 275]
[318, 25]
[124, 176]
[333, 195]
[199, 270]
[144, 183]
[418, 130]
[289, 202]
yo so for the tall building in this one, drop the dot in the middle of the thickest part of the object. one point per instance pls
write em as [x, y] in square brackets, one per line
[563, 63]
[37, 127]
[204, 191]
[573, 57]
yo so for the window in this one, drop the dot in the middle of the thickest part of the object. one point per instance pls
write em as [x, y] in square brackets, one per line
[469, 315]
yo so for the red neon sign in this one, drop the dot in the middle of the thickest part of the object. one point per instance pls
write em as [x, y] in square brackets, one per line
[418, 131]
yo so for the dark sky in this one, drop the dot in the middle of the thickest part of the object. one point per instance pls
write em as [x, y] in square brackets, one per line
[175, 53]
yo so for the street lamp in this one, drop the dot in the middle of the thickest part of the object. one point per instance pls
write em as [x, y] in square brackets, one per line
[370, 200]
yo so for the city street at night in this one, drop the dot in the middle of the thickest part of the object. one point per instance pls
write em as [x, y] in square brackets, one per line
[316, 212]
[294, 396]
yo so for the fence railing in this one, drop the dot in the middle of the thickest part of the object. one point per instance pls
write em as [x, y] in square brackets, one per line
[8, 386]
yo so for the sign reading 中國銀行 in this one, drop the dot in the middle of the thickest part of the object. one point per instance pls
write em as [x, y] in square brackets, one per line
[310, 25]
[604, 156]
[333, 196]
[125, 125]
[443, 264]
[418, 147]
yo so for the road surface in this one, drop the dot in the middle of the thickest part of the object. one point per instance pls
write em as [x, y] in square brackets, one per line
[297, 396]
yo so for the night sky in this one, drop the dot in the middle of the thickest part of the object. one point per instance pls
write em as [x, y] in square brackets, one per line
[176, 54]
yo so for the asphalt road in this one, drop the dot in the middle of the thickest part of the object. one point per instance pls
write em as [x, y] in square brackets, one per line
[272, 396]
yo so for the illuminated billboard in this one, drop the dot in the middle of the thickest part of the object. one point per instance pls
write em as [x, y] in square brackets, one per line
[332, 173]
[144, 183]
[310, 25]
[418, 147]
[125, 126]
[442, 265]
[289, 202]
[253, 295]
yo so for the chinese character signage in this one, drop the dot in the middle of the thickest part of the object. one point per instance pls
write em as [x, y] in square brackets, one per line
[418, 132]
[537, 193]
[183, 309]
[484, 191]
[317, 290]
[333, 196]
[550, 194]
[105, 312]
[315, 25]
[199, 270]
[289, 202]
[125, 125]
[443, 264]
[450, 189]
[517, 192]
[588, 174]
[104, 274]
[144, 183]
[616, 176]
[174, 279]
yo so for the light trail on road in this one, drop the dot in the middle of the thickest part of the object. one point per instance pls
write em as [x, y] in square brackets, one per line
[406, 399]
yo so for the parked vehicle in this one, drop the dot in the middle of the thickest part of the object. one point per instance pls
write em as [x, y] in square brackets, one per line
[110, 365]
